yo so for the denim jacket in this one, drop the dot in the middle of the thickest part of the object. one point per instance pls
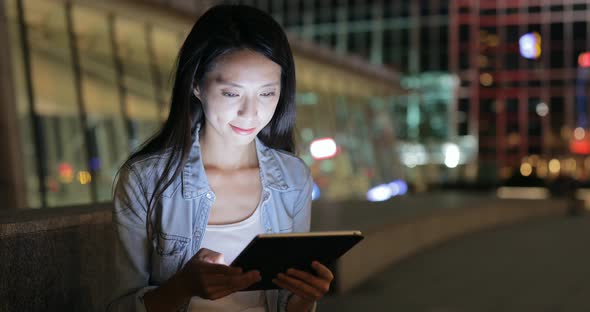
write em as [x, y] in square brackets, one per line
[180, 217]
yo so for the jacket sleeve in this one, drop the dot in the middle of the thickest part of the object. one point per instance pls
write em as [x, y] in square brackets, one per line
[131, 256]
[301, 223]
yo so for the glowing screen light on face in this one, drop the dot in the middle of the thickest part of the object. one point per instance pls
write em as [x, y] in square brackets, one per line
[323, 148]
[530, 45]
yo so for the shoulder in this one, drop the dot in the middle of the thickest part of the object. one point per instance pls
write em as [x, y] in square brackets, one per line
[143, 171]
[290, 169]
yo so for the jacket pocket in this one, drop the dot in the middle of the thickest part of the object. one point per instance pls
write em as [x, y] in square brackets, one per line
[169, 245]
[169, 251]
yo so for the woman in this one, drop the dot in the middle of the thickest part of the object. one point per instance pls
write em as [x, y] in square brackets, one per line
[219, 172]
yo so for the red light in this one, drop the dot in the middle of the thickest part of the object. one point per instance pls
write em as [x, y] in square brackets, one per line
[580, 147]
[584, 59]
[65, 169]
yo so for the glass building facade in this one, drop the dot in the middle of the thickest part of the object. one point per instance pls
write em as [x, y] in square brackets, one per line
[505, 107]
[92, 81]
[523, 84]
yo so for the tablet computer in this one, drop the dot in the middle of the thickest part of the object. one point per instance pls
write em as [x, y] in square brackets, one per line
[272, 254]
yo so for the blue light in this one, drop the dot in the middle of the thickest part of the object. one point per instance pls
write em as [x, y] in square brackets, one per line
[530, 45]
[315, 193]
[400, 186]
[94, 164]
[379, 193]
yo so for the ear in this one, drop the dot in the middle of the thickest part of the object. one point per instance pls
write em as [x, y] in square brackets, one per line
[197, 92]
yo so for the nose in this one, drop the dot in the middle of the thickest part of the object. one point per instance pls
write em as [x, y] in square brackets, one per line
[249, 108]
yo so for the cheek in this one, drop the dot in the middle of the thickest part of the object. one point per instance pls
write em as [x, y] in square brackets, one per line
[219, 110]
[268, 112]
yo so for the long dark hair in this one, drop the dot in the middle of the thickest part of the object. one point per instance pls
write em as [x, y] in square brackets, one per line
[219, 31]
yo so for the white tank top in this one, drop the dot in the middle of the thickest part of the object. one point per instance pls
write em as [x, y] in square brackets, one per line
[230, 240]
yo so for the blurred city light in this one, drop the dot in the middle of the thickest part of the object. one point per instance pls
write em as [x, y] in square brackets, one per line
[486, 79]
[526, 169]
[542, 109]
[94, 164]
[386, 191]
[584, 59]
[523, 192]
[580, 144]
[413, 155]
[554, 166]
[533, 159]
[84, 177]
[452, 155]
[66, 173]
[579, 133]
[323, 148]
[315, 193]
[379, 193]
[399, 186]
[542, 169]
[530, 45]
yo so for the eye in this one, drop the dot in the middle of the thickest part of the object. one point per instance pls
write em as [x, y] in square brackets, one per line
[268, 94]
[229, 94]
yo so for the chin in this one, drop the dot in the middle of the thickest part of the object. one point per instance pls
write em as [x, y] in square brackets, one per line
[237, 139]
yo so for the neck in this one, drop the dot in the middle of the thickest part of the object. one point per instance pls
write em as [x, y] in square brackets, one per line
[220, 155]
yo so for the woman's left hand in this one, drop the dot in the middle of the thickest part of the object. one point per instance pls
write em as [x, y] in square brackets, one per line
[307, 287]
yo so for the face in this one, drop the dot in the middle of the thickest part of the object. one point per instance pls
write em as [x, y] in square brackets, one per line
[240, 96]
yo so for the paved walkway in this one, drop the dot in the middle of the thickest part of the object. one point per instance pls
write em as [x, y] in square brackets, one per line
[542, 265]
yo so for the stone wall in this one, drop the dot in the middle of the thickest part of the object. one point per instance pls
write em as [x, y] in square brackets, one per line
[57, 262]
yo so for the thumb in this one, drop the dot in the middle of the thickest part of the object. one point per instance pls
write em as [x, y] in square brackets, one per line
[211, 256]
[215, 258]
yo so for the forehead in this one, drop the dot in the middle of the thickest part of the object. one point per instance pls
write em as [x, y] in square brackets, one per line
[245, 67]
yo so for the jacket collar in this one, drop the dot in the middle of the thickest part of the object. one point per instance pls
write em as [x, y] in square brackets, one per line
[194, 181]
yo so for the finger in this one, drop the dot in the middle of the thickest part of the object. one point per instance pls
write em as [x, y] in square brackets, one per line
[215, 268]
[303, 287]
[230, 281]
[220, 286]
[293, 289]
[320, 284]
[223, 293]
[210, 256]
[216, 258]
[322, 271]
[245, 280]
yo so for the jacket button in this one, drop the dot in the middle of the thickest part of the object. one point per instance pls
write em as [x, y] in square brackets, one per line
[209, 195]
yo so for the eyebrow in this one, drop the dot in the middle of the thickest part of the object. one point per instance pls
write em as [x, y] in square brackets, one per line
[221, 81]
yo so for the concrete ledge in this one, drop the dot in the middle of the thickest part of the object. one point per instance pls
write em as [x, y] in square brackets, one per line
[58, 259]
[26, 221]
[55, 259]
[389, 244]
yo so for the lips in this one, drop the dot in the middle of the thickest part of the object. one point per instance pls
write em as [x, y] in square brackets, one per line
[242, 131]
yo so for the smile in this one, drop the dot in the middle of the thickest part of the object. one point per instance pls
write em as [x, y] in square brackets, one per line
[242, 131]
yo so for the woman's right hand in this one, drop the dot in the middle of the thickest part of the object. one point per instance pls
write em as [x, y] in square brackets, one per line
[207, 276]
